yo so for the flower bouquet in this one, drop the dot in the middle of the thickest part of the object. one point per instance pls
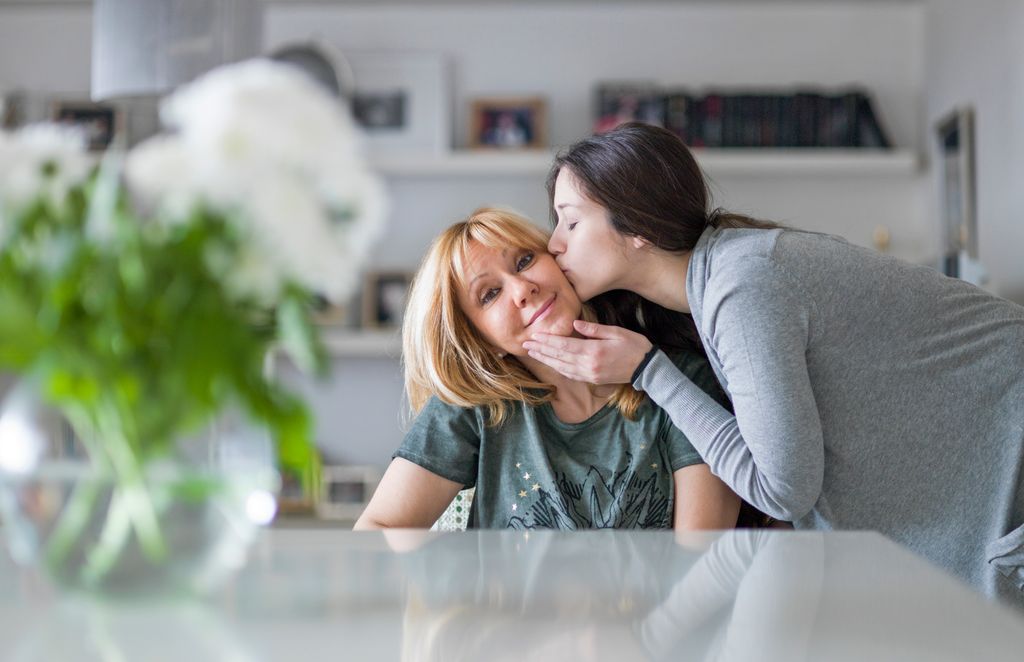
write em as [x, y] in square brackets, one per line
[139, 298]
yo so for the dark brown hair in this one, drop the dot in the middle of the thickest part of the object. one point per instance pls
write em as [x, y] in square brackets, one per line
[652, 187]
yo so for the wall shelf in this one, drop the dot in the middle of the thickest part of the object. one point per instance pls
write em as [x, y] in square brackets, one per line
[762, 162]
[362, 343]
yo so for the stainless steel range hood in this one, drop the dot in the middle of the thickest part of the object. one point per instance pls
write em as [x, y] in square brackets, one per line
[146, 47]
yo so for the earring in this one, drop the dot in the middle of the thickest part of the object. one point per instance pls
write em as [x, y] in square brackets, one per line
[501, 355]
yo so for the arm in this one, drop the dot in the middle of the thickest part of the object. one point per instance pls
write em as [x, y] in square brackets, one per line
[408, 497]
[702, 500]
[771, 452]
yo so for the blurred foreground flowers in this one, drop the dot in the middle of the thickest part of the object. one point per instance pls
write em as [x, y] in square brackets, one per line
[141, 295]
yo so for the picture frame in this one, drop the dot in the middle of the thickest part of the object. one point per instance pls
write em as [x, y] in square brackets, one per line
[384, 298]
[345, 490]
[325, 313]
[954, 133]
[100, 122]
[299, 491]
[12, 110]
[618, 103]
[401, 101]
[508, 123]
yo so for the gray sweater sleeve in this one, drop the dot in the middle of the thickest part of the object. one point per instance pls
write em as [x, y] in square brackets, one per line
[771, 452]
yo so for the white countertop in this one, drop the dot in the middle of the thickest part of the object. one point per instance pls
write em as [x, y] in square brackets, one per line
[504, 595]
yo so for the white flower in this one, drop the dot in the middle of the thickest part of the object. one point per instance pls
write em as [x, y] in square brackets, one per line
[41, 161]
[268, 148]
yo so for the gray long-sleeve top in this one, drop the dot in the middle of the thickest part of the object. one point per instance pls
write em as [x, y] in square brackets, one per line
[869, 394]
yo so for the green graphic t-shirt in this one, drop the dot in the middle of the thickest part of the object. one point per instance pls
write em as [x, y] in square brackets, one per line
[535, 471]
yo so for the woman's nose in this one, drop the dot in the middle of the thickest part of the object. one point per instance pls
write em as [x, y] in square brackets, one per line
[555, 244]
[524, 289]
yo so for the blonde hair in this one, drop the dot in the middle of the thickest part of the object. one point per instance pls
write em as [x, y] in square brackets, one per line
[444, 355]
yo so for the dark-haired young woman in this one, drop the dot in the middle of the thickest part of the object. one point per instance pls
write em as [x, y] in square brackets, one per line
[869, 393]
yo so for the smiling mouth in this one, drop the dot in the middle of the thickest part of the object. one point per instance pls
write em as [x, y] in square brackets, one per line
[541, 311]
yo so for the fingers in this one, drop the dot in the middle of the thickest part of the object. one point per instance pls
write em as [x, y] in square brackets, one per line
[556, 345]
[567, 369]
[595, 330]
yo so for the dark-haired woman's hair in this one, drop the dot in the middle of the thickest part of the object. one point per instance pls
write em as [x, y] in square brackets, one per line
[652, 187]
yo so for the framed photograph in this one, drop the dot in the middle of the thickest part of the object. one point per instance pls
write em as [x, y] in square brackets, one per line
[402, 101]
[955, 135]
[384, 297]
[617, 103]
[99, 121]
[345, 490]
[326, 313]
[12, 110]
[299, 491]
[508, 123]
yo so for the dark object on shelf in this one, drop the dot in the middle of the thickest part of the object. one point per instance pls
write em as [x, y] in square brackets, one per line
[806, 118]
[618, 103]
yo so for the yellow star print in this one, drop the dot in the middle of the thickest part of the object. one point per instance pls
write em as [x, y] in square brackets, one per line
[522, 493]
[643, 446]
[654, 466]
[536, 486]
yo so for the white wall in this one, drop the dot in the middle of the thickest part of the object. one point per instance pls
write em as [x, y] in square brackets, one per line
[560, 51]
[974, 56]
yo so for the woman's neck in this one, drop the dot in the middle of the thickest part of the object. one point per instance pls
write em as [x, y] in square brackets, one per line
[660, 276]
[574, 401]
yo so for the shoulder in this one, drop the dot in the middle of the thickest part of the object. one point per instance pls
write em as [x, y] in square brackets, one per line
[438, 413]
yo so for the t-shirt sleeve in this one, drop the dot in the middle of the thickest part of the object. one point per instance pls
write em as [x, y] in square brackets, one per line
[681, 451]
[444, 440]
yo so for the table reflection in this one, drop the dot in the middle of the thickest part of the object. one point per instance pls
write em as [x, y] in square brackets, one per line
[599, 596]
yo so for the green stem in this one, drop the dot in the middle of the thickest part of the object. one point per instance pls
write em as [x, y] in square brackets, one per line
[75, 515]
[73, 519]
[115, 535]
[131, 484]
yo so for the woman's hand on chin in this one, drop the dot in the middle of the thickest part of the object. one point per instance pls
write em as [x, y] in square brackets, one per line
[605, 355]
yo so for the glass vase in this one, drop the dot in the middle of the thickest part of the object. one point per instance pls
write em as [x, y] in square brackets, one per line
[181, 528]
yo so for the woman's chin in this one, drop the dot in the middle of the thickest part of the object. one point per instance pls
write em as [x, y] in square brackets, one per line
[557, 327]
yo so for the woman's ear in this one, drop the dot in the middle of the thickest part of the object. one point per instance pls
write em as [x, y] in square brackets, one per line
[639, 243]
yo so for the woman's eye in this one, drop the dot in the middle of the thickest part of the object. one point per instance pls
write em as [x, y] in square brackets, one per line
[524, 261]
[572, 225]
[489, 295]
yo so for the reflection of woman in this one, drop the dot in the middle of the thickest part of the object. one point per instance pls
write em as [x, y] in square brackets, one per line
[552, 596]
[543, 451]
[868, 393]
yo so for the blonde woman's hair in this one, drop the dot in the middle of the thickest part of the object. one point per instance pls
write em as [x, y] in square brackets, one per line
[444, 355]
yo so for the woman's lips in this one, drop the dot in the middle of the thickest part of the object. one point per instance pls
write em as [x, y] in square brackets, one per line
[540, 311]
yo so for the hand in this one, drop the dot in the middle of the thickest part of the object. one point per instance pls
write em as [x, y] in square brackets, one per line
[607, 354]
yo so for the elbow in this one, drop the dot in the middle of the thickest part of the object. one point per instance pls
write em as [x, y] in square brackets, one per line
[365, 523]
[792, 502]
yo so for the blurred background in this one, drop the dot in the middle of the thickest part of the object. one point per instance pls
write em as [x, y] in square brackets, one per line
[894, 123]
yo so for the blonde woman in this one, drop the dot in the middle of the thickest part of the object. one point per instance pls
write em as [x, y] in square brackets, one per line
[542, 451]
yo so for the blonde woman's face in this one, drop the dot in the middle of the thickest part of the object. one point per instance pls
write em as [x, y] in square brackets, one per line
[512, 293]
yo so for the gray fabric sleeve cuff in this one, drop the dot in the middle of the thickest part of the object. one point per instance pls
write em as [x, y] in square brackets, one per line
[643, 364]
[691, 409]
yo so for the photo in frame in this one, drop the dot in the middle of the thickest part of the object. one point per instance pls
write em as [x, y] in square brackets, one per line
[508, 123]
[12, 110]
[325, 313]
[99, 122]
[401, 101]
[345, 490]
[384, 298]
[618, 103]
